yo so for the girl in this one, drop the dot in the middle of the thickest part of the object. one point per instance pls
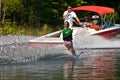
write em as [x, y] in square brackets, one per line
[67, 37]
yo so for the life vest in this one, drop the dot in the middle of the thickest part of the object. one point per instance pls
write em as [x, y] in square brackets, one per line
[96, 27]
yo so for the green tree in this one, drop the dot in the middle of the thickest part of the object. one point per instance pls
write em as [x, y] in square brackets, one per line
[10, 9]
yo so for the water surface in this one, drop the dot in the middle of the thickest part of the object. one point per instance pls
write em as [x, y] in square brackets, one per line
[19, 61]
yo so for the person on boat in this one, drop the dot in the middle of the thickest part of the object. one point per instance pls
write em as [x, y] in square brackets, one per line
[67, 38]
[94, 24]
[95, 19]
[86, 20]
[70, 16]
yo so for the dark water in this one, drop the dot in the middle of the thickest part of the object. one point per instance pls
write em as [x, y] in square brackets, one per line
[22, 62]
[91, 65]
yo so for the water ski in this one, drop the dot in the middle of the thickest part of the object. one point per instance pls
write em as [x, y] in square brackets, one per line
[81, 52]
[65, 56]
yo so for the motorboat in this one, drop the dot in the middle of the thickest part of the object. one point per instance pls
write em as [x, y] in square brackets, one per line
[106, 29]
[109, 29]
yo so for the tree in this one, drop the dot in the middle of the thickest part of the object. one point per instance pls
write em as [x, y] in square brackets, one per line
[0, 10]
[9, 9]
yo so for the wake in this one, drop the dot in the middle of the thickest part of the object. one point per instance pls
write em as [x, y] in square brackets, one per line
[95, 42]
[15, 49]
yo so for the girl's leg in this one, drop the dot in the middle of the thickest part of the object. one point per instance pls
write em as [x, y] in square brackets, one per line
[69, 51]
[72, 49]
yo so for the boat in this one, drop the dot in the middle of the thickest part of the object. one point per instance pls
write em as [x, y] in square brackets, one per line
[109, 29]
[106, 29]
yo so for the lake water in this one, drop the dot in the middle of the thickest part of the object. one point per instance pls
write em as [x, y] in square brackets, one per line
[19, 61]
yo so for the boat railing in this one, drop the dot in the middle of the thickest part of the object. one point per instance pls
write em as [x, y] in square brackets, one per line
[107, 23]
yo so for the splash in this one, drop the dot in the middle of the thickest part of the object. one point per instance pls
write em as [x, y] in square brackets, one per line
[95, 42]
[15, 49]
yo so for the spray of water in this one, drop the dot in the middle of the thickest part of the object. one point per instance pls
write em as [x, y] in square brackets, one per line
[15, 49]
[95, 42]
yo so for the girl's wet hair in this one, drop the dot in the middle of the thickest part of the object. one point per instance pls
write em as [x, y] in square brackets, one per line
[67, 23]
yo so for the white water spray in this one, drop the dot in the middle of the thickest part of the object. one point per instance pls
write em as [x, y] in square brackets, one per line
[16, 48]
[95, 42]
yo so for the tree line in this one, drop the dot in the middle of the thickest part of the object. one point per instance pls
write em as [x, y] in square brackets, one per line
[36, 13]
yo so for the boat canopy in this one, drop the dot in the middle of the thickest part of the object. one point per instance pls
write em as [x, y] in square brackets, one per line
[101, 10]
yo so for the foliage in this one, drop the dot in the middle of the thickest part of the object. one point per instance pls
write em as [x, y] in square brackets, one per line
[17, 30]
[11, 9]
[10, 29]
[40, 13]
